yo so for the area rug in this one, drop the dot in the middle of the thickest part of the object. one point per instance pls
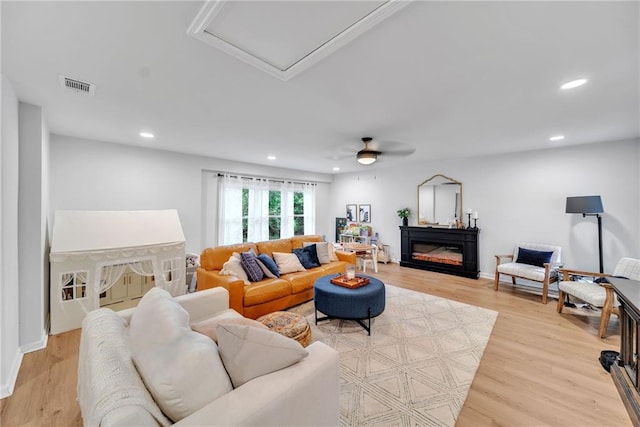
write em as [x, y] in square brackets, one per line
[417, 366]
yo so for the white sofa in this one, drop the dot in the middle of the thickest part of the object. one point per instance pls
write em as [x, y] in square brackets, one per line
[305, 393]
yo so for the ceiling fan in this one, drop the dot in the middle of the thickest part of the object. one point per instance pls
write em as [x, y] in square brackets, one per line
[368, 155]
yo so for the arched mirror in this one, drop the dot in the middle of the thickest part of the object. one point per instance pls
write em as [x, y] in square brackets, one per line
[439, 201]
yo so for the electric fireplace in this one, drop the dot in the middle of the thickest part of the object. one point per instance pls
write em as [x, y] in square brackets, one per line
[445, 250]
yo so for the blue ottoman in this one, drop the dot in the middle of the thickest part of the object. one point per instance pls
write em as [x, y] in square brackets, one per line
[338, 302]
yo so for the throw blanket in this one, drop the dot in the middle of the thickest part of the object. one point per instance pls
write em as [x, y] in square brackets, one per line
[107, 378]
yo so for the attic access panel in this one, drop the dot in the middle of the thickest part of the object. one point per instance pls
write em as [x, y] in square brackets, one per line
[284, 38]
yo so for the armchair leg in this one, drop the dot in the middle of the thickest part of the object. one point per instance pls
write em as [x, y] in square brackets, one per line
[496, 281]
[545, 290]
[562, 295]
[606, 313]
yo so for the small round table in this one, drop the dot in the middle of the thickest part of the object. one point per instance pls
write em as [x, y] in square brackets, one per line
[338, 302]
[292, 325]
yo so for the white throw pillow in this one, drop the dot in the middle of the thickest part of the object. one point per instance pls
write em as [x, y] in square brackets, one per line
[249, 352]
[233, 267]
[332, 253]
[287, 263]
[208, 327]
[181, 368]
[322, 249]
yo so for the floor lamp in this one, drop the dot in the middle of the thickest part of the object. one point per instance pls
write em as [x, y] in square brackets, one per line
[588, 206]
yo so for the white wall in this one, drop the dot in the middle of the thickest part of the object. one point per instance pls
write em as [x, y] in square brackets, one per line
[10, 354]
[519, 197]
[33, 250]
[93, 175]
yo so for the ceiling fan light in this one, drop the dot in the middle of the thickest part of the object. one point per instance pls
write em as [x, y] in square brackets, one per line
[367, 157]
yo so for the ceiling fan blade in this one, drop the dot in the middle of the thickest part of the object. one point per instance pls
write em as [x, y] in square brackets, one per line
[399, 153]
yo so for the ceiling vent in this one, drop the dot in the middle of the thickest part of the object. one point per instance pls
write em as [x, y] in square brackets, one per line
[77, 85]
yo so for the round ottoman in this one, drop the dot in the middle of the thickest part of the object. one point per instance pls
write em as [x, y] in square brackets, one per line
[357, 304]
[292, 325]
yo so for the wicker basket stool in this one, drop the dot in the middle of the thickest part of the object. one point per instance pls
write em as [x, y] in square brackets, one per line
[290, 325]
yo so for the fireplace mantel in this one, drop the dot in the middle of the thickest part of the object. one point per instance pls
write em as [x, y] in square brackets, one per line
[463, 243]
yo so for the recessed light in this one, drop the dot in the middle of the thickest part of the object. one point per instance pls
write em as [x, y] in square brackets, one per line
[573, 84]
[147, 135]
[556, 138]
[271, 157]
[336, 168]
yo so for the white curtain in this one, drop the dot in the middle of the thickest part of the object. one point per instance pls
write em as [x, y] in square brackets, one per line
[258, 217]
[109, 275]
[309, 191]
[230, 210]
[143, 268]
[287, 225]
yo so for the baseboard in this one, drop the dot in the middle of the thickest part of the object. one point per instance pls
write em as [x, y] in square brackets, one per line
[7, 388]
[38, 345]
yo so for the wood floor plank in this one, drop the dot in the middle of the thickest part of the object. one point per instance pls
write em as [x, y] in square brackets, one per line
[540, 368]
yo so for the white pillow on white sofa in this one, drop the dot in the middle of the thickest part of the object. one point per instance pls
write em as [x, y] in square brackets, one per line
[249, 352]
[181, 368]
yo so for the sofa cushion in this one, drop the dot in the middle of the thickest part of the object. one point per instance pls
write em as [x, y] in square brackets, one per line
[270, 246]
[307, 256]
[270, 264]
[249, 352]
[287, 262]
[298, 241]
[233, 267]
[266, 290]
[322, 251]
[250, 265]
[181, 368]
[533, 257]
[208, 327]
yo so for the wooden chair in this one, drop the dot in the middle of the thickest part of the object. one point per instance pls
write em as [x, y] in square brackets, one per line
[599, 295]
[544, 273]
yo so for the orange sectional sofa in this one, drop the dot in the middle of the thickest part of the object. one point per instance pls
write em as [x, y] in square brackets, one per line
[267, 295]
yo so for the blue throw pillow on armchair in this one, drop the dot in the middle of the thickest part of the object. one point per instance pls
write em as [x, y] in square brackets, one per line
[308, 256]
[533, 257]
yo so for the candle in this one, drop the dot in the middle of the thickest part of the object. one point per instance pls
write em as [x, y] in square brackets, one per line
[475, 215]
[468, 211]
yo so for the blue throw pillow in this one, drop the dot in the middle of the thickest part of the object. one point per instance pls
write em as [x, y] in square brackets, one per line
[531, 257]
[250, 265]
[308, 256]
[270, 264]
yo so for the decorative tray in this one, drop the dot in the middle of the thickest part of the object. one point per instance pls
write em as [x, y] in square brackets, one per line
[356, 282]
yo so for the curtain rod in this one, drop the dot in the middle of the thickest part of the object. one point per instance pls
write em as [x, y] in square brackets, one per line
[281, 180]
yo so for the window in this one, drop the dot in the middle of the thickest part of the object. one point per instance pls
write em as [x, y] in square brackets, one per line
[73, 285]
[257, 209]
[171, 269]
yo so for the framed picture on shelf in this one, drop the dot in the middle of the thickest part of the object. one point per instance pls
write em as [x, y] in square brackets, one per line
[365, 213]
[341, 223]
[352, 215]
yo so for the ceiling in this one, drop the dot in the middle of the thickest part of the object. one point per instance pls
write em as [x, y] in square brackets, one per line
[448, 79]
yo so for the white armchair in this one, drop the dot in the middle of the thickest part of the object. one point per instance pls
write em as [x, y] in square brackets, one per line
[536, 265]
[599, 295]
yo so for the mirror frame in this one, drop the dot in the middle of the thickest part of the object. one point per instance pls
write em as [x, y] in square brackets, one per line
[452, 181]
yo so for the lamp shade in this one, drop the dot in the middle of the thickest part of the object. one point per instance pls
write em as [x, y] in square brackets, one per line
[584, 205]
[366, 157]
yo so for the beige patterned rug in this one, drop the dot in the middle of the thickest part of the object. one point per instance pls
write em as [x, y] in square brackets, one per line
[416, 367]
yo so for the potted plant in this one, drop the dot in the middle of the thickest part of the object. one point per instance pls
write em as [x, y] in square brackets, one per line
[404, 214]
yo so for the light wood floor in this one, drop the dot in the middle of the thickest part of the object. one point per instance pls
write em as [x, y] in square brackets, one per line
[540, 368]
